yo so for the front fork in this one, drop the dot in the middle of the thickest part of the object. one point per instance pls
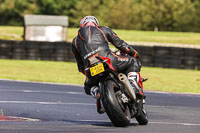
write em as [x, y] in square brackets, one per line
[136, 108]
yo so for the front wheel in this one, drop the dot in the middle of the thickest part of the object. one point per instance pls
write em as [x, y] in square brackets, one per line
[142, 117]
[117, 111]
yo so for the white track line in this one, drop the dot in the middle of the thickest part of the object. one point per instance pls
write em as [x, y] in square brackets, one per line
[176, 123]
[37, 82]
[178, 93]
[50, 83]
[36, 91]
[151, 122]
[48, 103]
[25, 119]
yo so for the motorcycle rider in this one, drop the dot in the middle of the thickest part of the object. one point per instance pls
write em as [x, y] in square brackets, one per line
[93, 40]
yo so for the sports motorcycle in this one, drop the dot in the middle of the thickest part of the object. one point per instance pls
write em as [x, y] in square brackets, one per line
[117, 95]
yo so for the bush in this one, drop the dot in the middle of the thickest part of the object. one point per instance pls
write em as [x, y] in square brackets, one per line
[163, 15]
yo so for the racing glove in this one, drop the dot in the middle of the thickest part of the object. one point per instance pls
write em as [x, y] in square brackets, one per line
[130, 51]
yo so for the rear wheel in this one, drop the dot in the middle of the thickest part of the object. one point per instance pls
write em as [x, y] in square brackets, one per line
[117, 111]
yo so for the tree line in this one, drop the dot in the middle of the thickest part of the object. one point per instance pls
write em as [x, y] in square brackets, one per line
[161, 15]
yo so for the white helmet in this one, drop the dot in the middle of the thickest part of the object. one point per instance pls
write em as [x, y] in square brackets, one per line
[87, 19]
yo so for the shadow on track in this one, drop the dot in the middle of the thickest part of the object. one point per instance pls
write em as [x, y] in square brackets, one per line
[95, 123]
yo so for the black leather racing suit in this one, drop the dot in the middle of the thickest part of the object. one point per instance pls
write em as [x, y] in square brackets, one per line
[94, 40]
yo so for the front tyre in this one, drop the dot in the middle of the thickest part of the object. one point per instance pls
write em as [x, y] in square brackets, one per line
[118, 113]
[142, 117]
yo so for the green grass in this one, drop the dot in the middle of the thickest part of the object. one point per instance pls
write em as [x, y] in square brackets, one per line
[171, 80]
[11, 32]
[44, 71]
[16, 33]
[160, 37]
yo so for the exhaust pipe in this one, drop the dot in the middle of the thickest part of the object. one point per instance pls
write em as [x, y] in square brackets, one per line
[128, 87]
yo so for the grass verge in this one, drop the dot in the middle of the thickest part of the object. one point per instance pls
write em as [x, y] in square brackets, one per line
[16, 33]
[171, 80]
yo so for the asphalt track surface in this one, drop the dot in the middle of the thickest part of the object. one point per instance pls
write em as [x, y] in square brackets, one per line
[55, 108]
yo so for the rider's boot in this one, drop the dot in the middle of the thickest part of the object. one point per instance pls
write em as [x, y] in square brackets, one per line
[136, 81]
[94, 91]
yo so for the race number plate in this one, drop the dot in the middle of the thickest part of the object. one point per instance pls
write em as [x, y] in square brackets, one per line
[97, 69]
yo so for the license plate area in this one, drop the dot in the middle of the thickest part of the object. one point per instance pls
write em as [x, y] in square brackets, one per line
[95, 70]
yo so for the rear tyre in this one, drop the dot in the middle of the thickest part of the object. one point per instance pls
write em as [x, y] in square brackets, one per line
[118, 113]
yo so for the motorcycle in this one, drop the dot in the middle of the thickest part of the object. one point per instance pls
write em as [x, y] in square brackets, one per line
[117, 95]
